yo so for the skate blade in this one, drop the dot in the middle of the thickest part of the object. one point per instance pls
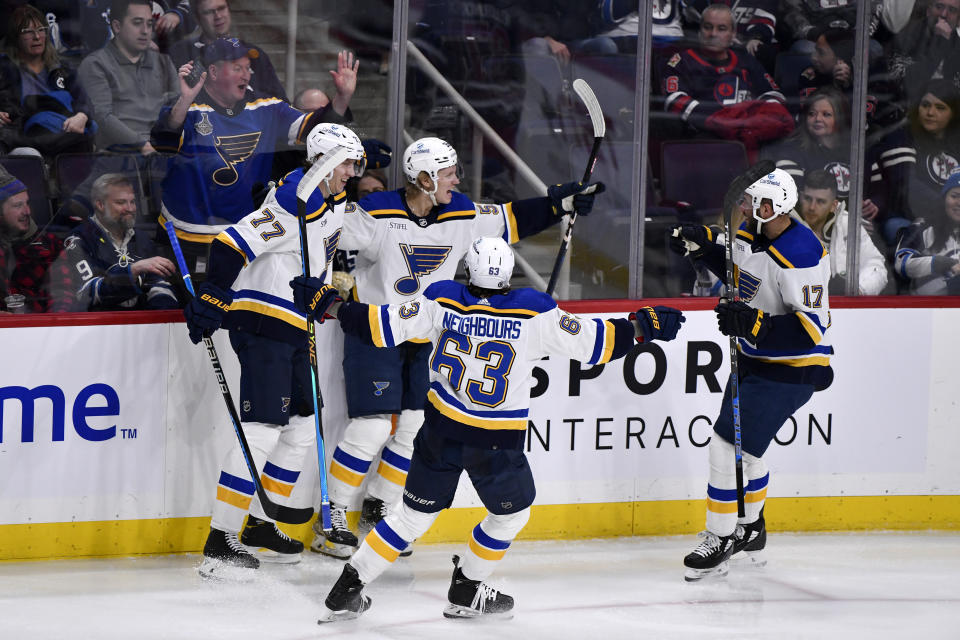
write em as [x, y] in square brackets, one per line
[217, 570]
[329, 615]
[696, 575]
[462, 612]
[274, 557]
[332, 549]
[749, 560]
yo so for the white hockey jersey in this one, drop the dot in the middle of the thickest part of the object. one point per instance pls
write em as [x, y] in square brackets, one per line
[268, 241]
[399, 257]
[484, 351]
[787, 275]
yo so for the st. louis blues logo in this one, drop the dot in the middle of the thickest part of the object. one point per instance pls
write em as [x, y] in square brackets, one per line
[748, 285]
[379, 386]
[330, 245]
[421, 260]
[233, 150]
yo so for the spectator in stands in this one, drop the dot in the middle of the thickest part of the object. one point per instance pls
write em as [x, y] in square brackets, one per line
[311, 100]
[127, 80]
[110, 265]
[928, 48]
[929, 249]
[936, 137]
[43, 108]
[756, 22]
[830, 62]
[215, 21]
[564, 30]
[822, 141]
[359, 187]
[224, 137]
[827, 217]
[26, 253]
[718, 90]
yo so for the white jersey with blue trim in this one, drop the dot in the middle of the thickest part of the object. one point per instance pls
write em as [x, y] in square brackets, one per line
[789, 274]
[484, 348]
[268, 239]
[400, 255]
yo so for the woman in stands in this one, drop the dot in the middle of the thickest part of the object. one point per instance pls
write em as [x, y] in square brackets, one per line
[43, 109]
[929, 250]
[936, 137]
[822, 141]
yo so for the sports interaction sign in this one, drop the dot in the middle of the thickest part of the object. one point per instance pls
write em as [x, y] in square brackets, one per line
[127, 421]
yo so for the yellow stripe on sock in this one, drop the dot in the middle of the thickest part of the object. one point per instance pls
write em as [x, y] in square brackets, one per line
[343, 474]
[392, 474]
[721, 507]
[233, 498]
[484, 553]
[384, 550]
[275, 486]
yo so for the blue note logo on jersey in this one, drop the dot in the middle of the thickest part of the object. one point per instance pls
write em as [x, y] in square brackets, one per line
[748, 285]
[379, 386]
[421, 260]
[233, 150]
[330, 245]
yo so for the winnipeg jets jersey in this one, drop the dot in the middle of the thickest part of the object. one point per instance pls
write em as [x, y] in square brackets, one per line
[266, 248]
[789, 274]
[484, 350]
[400, 255]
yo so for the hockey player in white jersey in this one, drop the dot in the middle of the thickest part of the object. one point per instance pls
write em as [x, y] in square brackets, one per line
[781, 323]
[253, 265]
[486, 339]
[408, 239]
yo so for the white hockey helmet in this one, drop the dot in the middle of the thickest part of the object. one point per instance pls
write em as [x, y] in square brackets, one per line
[429, 155]
[489, 263]
[777, 187]
[326, 136]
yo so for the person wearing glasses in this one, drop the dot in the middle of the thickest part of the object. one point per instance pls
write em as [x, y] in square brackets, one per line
[43, 108]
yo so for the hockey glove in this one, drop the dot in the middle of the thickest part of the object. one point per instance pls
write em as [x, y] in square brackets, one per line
[205, 311]
[690, 239]
[312, 296]
[574, 196]
[658, 323]
[741, 320]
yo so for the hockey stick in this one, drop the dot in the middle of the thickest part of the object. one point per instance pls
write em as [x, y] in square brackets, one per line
[731, 200]
[272, 510]
[599, 130]
[307, 186]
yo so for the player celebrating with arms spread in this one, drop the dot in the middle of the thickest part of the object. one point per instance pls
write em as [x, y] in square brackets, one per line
[408, 239]
[253, 264]
[781, 324]
[486, 339]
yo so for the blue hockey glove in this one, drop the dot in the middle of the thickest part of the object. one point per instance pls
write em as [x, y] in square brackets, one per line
[205, 311]
[741, 320]
[313, 296]
[658, 323]
[574, 196]
[690, 239]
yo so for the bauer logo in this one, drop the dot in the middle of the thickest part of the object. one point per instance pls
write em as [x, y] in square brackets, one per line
[47, 405]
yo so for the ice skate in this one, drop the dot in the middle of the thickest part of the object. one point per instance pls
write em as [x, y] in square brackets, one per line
[225, 558]
[339, 542]
[749, 542]
[345, 600]
[373, 511]
[710, 558]
[268, 543]
[473, 598]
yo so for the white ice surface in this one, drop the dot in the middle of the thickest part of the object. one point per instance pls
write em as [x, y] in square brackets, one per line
[843, 586]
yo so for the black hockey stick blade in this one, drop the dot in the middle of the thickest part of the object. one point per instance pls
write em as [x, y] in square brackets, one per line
[735, 192]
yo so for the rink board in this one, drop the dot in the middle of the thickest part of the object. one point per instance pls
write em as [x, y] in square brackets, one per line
[111, 434]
